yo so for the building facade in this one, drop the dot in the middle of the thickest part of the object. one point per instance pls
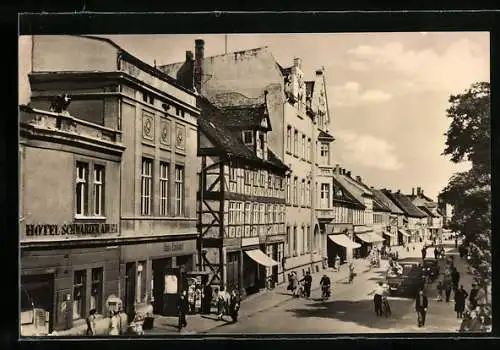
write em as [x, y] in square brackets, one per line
[434, 223]
[241, 201]
[157, 121]
[398, 234]
[298, 113]
[69, 218]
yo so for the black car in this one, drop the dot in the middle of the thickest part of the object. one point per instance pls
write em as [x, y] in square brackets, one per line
[411, 278]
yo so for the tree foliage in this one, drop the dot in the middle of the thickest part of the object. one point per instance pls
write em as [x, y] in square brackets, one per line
[469, 134]
[469, 138]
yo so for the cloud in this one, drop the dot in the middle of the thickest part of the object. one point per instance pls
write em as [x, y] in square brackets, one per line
[351, 94]
[358, 66]
[461, 64]
[367, 150]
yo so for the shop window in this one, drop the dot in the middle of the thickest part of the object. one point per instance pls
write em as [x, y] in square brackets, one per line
[82, 170]
[98, 190]
[146, 176]
[79, 294]
[179, 190]
[164, 170]
[96, 292]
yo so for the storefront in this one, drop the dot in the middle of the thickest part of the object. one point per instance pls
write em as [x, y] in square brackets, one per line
[274, 250]
[60, 285]
[153, 274]
[387, 235]
[340, 245]
[368, 241]
[403, 236]
[255, 263]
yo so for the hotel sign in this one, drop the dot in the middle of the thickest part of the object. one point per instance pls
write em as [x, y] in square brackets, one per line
[250, 241]
[69, 229]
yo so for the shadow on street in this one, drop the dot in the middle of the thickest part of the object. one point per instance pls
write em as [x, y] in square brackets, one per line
[360, 312]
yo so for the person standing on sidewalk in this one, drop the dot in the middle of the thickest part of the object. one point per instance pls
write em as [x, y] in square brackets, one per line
[424, 252]
[455, 278]
[91, 323]
[378, 292]
[182, 310]
[234, 305]
[421, 304]
[460, 297]
[307, 284]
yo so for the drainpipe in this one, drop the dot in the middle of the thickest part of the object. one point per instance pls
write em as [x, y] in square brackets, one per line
[313, 194]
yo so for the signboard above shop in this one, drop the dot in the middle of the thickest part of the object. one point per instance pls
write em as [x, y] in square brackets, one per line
[33, 230]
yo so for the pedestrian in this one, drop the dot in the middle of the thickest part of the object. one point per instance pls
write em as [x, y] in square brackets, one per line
[294, 283]
[207, 298]
[440, 289]
[378, 293]
[307, 284]
[421, 304]
[447, 288]
[436, 253]
[234, 305]
[460, 297]
[221, 301]
[455, 277]
[182, 310]
[424, 252]
[91, 323]
[113, 323]
[473, 296]
[337, 263]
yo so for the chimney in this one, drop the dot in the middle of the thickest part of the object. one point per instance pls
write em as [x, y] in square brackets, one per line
[343, 171]
[418, 191]
[337, 167]
[413, 191]
[199, 54]
[189, 56]
[319, 72]
[297, 62]
[349, 173]
[358, 178]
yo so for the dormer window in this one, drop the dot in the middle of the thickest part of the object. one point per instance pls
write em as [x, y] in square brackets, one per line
[248, 137]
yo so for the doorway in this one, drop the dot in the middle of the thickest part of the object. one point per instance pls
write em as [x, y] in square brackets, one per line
[333, 250]
[167, 284]
[37, 305]
[130, 280]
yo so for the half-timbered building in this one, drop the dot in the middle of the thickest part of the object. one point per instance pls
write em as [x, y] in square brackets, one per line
[241, 198]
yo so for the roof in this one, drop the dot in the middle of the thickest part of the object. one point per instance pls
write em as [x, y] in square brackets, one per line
[212, 123]
[284, 71]
[355, 192]
[381, 197]
[405, 204]
[157, 72]
[346, 196]
[428, 212]
[378, 205]
[245, 117]
[325, 136]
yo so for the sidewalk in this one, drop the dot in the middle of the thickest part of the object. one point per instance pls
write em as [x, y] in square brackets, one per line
[258, 302]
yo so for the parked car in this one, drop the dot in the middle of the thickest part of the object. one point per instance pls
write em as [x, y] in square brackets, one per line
[409, 280]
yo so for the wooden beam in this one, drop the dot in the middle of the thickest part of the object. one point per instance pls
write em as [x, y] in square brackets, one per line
[213, 212]
[207, 228]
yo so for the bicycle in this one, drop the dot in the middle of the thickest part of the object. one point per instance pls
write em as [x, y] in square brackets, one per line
[386, 308]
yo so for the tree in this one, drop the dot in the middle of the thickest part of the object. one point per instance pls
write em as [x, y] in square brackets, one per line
[469, 134]
[469, 138]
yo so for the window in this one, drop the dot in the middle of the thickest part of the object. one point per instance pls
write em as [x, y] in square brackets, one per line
[164, 169]
[96, 292]
[248, 137]
[302, 192]
[146, 176]
[82, 188]
[79, 294]
[269, 184]
[179, 190]
[140, 285]
[295, 190]
[303, 148]
[230, 217]
[325, 195]
[295, 142]
[266, 215]
[256, 218]
[294, 241]
[288, 195]
[324, 153]
[308, 150]
[232, 173]
[289, 139]
[98, 190]
[308, 238]
[288, 239]
[248, 214]
[308, 193]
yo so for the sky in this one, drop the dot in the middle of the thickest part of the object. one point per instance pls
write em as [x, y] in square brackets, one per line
[387, 92]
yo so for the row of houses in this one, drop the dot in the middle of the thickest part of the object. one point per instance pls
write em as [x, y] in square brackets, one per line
[133, 176]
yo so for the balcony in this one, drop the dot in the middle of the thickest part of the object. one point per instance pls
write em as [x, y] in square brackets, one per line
[325, 214]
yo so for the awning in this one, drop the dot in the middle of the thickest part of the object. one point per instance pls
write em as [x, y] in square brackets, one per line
[376, 238]
[259, 257]
[388, 234]
[404, 233]
[344, 241]
[365, 237]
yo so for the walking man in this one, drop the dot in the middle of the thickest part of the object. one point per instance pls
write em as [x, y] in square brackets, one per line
[447, 289]
[421, 305]
[436, 253]
[455, 277]
[424, 252]
[460, 297]
[234, 306]
[307, 284]
[183, 309]
[378, 292]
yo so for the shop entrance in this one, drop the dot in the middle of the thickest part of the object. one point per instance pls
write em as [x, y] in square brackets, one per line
[333, 250]
[130, 289]
[167, 284]
[252, 276]
[37, 307]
